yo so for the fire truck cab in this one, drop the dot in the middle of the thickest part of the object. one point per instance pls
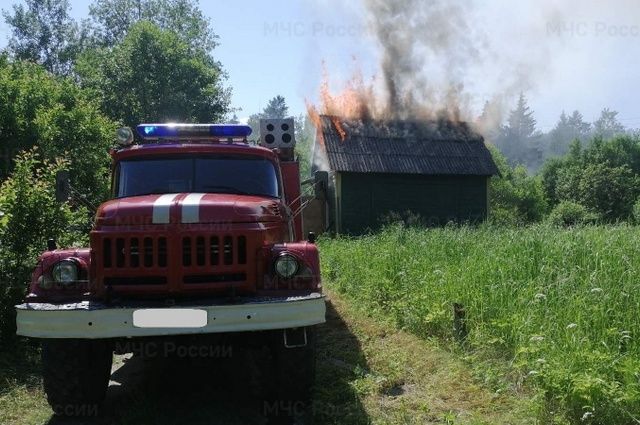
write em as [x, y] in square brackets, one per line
[202, 236]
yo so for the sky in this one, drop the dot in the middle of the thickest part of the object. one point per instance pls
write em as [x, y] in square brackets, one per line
[584, 57]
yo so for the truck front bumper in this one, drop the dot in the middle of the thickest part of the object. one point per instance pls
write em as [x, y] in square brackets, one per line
[95, 320]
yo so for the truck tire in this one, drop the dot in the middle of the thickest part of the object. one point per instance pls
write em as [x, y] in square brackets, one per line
[295, 370]
[76, 374]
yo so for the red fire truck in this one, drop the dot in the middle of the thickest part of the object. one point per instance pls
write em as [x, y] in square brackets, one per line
[202, 236]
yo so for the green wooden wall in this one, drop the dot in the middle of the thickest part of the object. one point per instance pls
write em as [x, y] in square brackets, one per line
[364, 200]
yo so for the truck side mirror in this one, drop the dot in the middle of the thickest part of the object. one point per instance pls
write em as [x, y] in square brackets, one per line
[63, 187]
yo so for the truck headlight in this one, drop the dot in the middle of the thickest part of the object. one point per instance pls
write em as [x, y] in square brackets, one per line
[286, 266]
[45, 282]
[65, 271]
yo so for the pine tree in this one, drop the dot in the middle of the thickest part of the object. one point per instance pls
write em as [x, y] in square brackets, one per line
[521, 123]
[560, 136]
[580, 128]
[608, 126]
[566, 130]
[522, 143]
[276, 108]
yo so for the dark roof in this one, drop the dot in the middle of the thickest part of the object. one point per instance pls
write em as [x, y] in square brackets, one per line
[409, 147]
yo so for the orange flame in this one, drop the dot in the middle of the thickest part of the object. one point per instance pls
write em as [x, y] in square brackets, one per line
[356, 101]
[338, 125]
[359, 100]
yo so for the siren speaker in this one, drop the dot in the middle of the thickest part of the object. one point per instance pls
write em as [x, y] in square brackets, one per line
[277, 133]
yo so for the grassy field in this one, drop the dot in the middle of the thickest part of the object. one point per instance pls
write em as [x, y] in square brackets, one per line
[552, 310]
[552, 320]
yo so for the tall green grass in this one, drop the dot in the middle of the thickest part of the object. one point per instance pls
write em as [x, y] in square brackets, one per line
[559, 309]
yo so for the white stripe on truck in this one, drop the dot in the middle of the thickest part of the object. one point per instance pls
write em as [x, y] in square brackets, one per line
[191, 208]
[162, 208]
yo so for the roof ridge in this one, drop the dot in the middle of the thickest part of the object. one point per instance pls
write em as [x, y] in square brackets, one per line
[443, 148]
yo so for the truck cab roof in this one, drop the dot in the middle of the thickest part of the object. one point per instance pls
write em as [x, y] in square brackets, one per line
[168, 148]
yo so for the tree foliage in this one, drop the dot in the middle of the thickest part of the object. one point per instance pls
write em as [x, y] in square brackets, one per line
[568, 128]
[607, 125]
[64, 121]
[44, 33]
[111, 21]
[154, 76]
[603, 177]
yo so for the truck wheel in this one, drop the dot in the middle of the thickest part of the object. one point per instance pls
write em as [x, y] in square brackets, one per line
[76, 374]
[295, 372]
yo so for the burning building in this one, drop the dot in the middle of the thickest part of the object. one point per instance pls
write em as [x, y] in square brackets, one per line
[437, 170]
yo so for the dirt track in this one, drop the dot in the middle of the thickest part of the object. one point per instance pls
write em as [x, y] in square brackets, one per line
[367, 373]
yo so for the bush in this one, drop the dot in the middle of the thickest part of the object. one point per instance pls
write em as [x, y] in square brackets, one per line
[515, 197]
[603, 177]
[568, 213]
[30, 216]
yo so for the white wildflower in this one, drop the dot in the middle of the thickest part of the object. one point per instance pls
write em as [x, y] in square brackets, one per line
[587, 416]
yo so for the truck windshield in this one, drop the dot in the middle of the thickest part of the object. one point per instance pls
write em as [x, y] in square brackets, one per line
[240, 175]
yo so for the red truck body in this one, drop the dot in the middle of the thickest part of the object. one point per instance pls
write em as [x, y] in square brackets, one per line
[202, 236]
[228, 250]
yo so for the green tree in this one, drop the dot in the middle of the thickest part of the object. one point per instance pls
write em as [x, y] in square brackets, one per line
[154, 76]
[607, 125]
[519, 140]
[603, 177]
[610, 191]
[64, 121]
[276, 108]
[568, 128]
[579, 127]
[44, 33]
[111, 21]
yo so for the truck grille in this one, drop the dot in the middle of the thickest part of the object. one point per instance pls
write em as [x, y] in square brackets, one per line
[195, 260]
[201, 251]
[134, 252]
